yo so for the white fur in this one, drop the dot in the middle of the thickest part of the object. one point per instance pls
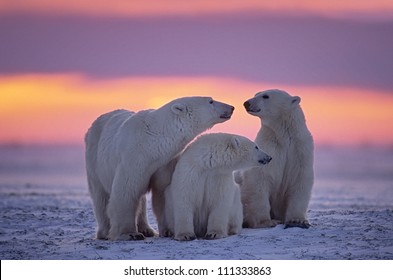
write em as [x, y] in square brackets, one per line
[279, 192]
[124, 149]
[203, 199]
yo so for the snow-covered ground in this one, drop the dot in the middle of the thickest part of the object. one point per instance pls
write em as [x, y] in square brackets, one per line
[46, 213]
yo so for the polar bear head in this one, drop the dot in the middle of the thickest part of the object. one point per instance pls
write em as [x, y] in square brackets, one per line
[272, 104]
[225, 151]
[199, 113]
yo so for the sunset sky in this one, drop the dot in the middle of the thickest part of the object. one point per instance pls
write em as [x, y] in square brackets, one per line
[65, 62]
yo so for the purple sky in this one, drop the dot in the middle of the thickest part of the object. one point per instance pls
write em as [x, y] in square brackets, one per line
[262, 48]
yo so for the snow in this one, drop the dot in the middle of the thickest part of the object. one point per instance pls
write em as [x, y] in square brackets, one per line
[46, 213]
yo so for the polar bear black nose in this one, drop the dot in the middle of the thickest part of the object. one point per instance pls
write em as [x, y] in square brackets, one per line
[247, 105]
[269, 158]
[265, 160]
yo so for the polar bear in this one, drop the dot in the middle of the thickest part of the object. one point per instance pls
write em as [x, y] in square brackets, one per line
[203, 199]
[124, 149]
[281, 191]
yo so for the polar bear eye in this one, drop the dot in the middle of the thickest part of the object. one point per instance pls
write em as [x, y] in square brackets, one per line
[265, 96]
[211, 101]
[256, 147]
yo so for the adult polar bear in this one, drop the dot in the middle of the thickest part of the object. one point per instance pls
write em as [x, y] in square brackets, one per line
[202, 199]
[279, 192]
[124, 149]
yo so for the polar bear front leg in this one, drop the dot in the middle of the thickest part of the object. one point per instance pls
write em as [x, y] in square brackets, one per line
[257, 213]
[256, 206]
[218, 223]
[184, 224]
[122, 214]
[296, 212]
[124, 202]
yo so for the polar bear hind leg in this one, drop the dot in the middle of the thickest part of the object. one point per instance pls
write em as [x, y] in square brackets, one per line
[100, 201]
[143, 225]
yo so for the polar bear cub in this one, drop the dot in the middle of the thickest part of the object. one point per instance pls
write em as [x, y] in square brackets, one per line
[203, 199]
[281, 191]
[124, 149]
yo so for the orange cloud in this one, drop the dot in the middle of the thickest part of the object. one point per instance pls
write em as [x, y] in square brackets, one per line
[60, 108]
[346, 116]
[151, 7]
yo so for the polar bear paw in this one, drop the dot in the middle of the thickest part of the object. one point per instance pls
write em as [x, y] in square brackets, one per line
[102, 235]
[261, 224]
[188, 236]
[297, 223]
[166, 233]
[136, 236]
[268, 223]
[128, 236]
[214, 235]
[147, 232]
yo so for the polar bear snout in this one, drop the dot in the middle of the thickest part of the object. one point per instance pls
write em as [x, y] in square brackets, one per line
[265, 160]
[250, 108]
[247, 105]
[227, 114]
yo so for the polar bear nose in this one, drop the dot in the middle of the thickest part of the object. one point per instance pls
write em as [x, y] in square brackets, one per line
[250, 108]
[247, 105]
[269, 158]
[265, 160]
[228, 113]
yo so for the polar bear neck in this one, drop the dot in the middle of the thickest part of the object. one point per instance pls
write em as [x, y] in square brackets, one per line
[177, 131]
[289, 125]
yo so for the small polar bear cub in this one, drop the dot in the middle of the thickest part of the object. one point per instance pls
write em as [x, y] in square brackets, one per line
[280, 192]
[203, 200]
[124, 149]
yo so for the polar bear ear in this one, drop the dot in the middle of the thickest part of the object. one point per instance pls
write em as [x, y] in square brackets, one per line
[178, 108]
[296, 100]
[235, 142]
